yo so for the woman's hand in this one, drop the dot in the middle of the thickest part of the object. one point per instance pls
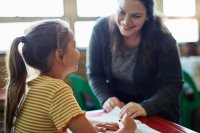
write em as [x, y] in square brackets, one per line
[133, 110]
[111, 102]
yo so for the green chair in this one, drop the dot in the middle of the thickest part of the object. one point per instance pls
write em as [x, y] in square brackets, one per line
[83, 93]
[189, 103]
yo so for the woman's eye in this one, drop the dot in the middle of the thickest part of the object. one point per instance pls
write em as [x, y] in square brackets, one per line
[121, 13]
[136, 16]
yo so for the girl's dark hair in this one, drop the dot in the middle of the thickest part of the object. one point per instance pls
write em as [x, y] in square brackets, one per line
[39, 43]
[151, 34]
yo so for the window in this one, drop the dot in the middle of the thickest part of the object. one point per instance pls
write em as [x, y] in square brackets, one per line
[184, 30]
[181, 20]
[95, 8]
[179, 8]
[83, 30]
[31, 8]
[8, 31]
[16, 15]
[81, 13]
[87, 12]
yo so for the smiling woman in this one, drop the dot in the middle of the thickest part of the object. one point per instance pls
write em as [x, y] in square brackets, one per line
[129, 64]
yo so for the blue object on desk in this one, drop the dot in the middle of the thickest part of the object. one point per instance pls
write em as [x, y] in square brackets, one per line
[83, 93]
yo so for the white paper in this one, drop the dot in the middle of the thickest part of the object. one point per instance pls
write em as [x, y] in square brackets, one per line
[113, 116]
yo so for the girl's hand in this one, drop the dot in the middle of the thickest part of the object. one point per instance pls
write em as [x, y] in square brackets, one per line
[110, 103]
[127, 125]
[102, 127]
[133, 110]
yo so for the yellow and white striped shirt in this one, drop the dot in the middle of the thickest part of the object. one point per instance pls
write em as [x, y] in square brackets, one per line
[48, 107]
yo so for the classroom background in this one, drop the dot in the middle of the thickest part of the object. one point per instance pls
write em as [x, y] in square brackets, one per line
[181, 17]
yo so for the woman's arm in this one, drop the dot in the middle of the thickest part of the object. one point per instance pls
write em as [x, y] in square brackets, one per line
[166, 100]
[96, 60]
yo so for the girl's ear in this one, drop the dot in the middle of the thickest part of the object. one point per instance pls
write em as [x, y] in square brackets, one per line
[59, 56]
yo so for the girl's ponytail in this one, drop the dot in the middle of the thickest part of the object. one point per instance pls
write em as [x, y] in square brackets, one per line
[17, 75]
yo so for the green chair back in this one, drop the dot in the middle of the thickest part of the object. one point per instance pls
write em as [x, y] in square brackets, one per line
[189, 102]
[83, 93]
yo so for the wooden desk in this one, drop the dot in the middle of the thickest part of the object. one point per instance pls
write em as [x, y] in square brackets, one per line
[154, 122]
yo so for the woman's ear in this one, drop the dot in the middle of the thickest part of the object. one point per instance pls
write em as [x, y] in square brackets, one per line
[59, 56]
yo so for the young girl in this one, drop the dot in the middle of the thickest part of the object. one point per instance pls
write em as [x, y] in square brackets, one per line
[46, 103]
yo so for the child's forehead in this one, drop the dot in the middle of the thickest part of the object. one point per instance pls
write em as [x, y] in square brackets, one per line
[71, 38]
[71, 34]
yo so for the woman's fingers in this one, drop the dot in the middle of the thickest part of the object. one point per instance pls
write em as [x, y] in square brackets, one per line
[133, 110]
[121, 104]
[107, 107]
[135, 114]
[111, 103]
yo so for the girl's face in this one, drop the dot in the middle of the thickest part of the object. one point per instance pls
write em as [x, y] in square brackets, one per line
[71, 55]
[130, 17]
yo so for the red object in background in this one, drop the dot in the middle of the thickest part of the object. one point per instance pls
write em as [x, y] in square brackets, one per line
[154, 122]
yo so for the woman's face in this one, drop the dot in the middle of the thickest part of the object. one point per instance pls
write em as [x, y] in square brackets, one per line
[130, 17]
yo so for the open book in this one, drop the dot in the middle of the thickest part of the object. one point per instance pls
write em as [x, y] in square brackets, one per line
[113, 116]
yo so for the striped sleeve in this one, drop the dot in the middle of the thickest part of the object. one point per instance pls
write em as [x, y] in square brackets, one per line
[64, 107]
